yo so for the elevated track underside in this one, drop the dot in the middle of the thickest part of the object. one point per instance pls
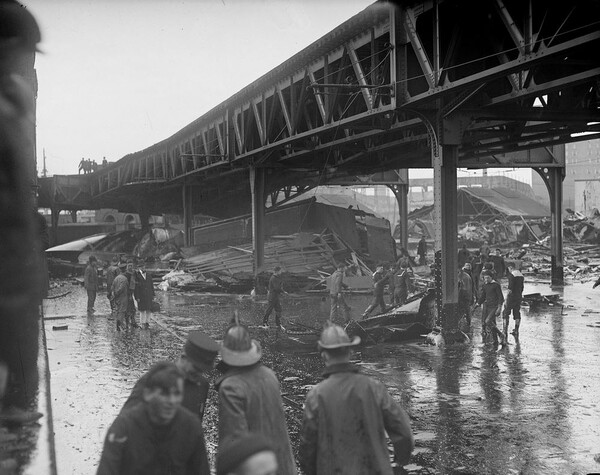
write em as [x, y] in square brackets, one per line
[505, 80]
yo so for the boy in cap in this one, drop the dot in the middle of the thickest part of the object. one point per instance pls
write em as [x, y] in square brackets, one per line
[347, 415]
[158, 436]
[250, 397]
[250, 454]
[199, 353]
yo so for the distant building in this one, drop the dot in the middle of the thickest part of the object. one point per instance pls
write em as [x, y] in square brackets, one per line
[581, 186]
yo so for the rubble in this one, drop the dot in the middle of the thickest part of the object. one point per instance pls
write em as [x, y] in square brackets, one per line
[307, 260]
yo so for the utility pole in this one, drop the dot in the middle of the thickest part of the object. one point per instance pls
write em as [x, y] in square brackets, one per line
[44, 170]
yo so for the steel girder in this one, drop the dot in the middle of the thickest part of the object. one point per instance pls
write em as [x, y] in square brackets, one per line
[495, 76]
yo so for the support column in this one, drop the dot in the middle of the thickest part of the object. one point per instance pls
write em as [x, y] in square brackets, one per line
[400, 191]
[188, 215]
[257, 188]
[446, 242]
[74, 216]
[553, 178]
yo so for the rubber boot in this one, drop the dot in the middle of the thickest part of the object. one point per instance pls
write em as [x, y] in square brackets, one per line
[515, 332]
[501, 338]
[118, 325]
[505, 327]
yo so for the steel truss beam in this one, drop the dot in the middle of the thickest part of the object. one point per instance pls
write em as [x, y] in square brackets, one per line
[355, 99]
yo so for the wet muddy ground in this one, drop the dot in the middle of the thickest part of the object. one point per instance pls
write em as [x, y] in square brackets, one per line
[529, 408]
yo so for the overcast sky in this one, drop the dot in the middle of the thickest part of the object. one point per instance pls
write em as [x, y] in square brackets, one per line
[117, 76]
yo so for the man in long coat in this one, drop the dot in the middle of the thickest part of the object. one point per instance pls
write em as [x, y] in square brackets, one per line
[250, 398]
[273, 295]
[90, 282]
[111, 272]
[336, 289]
[347, 416]
[144, 295]
[120, 294]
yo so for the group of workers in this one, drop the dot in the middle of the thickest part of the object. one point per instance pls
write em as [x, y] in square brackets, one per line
[346, 416]
[87, 165]
[398, 277]
[479, 280]
[128, 288]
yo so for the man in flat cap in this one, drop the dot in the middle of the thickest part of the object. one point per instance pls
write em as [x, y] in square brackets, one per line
[347, 416]
[198, 358]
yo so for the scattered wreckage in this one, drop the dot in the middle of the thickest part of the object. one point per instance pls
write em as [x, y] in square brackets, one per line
[405, 322]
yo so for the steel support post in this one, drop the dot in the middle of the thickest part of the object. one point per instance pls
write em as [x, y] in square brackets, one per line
[553, 178]
[446, 242]
[556, 246]
[400, 191]
[188, 215]
[402, 199]
[257, 188]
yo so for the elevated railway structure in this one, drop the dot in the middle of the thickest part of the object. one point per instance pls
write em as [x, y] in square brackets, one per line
[440, 84]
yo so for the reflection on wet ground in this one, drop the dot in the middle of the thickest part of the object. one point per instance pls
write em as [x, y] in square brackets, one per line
[527, 408]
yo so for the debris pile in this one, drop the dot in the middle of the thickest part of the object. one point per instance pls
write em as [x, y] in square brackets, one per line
[307, 260]
[579, 228]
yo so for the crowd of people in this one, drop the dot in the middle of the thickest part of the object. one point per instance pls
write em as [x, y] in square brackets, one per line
[347, 417]
[129, 289]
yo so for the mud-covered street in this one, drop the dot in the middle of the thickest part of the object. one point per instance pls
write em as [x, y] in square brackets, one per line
[529, 408]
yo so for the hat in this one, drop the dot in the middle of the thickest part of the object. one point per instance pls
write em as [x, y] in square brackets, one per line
[122, 265]
[200, 348]
[334, 336]
[115, 259]
[235, 451]
[238, 349]
[467, 265]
